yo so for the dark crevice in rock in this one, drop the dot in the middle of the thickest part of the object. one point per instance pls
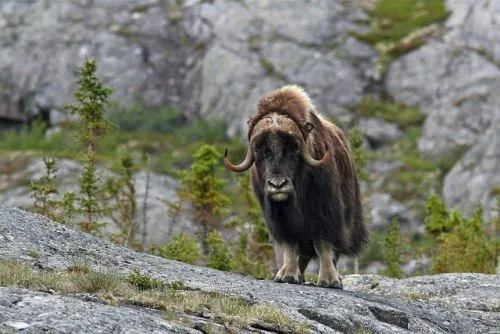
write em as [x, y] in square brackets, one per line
[390, 316]
[337, 324]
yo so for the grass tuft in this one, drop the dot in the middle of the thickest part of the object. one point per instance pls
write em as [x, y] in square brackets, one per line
[175, 299]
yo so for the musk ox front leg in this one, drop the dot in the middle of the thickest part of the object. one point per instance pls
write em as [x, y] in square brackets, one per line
[329, 277]
[290, 272]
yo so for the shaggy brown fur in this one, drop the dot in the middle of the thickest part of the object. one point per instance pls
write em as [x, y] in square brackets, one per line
[320, 212]
[344, 191]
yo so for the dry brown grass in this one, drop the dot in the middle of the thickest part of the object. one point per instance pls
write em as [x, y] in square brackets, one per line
[175, 299]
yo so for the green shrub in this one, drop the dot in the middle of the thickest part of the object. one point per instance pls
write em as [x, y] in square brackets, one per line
[374, 251]
[182, 248]
[202, 188]
[161, 119]
[404, 116]
[219, 255]
[98, 281]
[393, 20]
[143, 281]
[255, 266]
[392, 251]
[360, 155]
[33, 137]
[462, 243]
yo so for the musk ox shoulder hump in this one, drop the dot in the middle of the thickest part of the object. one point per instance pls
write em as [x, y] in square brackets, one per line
[290, 100]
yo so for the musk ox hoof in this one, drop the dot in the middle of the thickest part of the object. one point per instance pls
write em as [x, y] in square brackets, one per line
[333, 285]
[290, 280]
[286, 279]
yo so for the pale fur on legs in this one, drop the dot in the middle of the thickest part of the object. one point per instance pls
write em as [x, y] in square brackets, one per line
[290, 272]
[329, 277]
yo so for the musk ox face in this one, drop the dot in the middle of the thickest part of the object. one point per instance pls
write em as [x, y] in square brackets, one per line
[277, 139]
[277, 157]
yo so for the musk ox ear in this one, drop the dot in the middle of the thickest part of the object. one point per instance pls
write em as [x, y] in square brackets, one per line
[309, 127]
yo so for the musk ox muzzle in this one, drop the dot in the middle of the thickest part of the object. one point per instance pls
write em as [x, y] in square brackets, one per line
[279, 189]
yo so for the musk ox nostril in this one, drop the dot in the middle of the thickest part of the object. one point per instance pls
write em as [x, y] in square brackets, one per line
[277, 183]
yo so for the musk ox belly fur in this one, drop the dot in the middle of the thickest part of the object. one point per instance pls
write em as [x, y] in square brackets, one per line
[303, 175]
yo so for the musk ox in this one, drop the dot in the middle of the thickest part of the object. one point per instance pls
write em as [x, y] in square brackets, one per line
[304, 177]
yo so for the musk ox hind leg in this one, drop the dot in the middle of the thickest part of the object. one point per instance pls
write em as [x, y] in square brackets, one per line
[329, 277]
[290, 272]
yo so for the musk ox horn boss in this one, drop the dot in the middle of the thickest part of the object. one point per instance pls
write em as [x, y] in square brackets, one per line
[304, 177]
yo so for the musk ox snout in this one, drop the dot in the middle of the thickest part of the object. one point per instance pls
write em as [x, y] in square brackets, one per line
[279, 189]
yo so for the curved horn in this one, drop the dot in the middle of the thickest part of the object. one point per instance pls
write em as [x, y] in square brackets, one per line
[308, 159]
[247, 163]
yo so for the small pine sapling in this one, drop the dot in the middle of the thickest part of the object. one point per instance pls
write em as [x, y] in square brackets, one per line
[392, 250]
[91, 99]
[43, 190]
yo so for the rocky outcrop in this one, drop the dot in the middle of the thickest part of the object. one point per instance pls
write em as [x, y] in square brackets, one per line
[247, 58]
[212, 57]
[147, 50]
[159, 224]
[435, 304]
[37, 312]
[475, 179]
[456, 82]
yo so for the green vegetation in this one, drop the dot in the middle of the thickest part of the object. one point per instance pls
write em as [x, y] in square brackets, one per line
[394, 20]
[462, 243]
[361, 157]
[404, 116]
[219, 255]
[202, 188]
[143, 281]
[123, 211]
[181, 248]
[375, 249]
[254, 253]
[43, 191]
[33, 138]
[398, 27]
[392, 250]
[416, 176]
[91, 99]
[175, 299]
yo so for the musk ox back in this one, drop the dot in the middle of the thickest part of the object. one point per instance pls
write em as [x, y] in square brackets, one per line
[304, 178]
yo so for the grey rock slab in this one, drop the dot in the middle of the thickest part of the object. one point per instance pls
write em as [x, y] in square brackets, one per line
[262, 45]
[475, 179]
[58, 246]
[458, 90]
[463, 290]
[379, 132]
[383, 208]
[475, 25]
[38, 312]
[142, 53]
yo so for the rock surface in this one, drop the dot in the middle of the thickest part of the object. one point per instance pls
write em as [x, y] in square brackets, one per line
[38, 312]
[455, 80]
[246, 58]
[133, 40]
[475, 179]
[455, 303]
